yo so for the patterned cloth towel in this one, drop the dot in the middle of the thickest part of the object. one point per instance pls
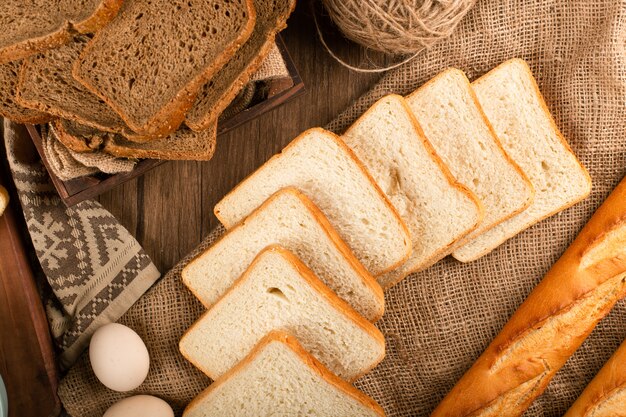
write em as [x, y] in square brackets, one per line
[95, 268]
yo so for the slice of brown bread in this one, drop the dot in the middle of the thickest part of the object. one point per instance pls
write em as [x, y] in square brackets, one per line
[46, 84]
[9, 108]
[184, 144]
[77, 137]
[150, 62]
[32, 26]
[217, 94]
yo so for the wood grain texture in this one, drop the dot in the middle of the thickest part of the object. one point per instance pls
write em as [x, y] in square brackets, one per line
[170, 209]
[27, 362]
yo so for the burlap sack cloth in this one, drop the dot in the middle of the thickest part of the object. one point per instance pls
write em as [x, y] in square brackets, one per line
[439, 321]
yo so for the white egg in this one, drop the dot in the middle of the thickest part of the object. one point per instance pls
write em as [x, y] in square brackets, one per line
[119, 357]
[140, 406]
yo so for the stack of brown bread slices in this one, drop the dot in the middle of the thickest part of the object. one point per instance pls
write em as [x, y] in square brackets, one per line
[133, 78]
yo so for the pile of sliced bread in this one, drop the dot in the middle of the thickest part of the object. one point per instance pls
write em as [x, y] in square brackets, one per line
[316, 233]
[132, 78]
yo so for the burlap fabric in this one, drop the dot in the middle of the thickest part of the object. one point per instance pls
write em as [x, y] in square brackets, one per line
[67, 164]
[438, 322]
[95, 268]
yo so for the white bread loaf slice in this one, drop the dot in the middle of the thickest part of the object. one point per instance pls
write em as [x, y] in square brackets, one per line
[437, 210]
[447, 109]
[278, 292]
[289, 219]
[319, 164]
[281, 378]
[511, 99]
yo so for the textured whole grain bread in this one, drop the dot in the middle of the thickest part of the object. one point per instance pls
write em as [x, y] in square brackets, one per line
[217, 94]
[605, 395]
[46, 84]
[77, 137]
[33, 26]
[319, 164]
[510, 97]
[454, 123]
[279, 377]
[558, 315]
[150, 62]
[437, 210]
[184, 144]
[290, 219]
[9, 108]
[278, 292]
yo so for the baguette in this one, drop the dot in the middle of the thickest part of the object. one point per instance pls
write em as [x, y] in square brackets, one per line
[605, 396]
[577, 292]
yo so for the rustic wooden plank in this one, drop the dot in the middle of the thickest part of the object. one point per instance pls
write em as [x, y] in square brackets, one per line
[27, 364]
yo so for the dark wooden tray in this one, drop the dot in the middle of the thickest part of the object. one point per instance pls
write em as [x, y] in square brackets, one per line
[79, 189]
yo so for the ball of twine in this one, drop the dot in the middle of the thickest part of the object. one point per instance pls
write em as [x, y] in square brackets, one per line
[397, 26]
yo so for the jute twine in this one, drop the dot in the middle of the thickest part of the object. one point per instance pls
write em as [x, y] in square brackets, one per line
[397, 27]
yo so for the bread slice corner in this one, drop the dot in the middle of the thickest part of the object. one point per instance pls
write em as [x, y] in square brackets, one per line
[278, 291]
[311, 390]
[37, 28]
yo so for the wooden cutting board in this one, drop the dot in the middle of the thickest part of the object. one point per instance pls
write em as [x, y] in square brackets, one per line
[27, 362]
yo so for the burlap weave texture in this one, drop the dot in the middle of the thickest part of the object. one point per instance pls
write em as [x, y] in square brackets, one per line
[439, 321]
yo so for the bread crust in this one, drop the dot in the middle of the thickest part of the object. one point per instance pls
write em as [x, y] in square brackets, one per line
[210, 117]
[366, 278]
[317, 285]
[101, 16]
[563, 287]
[480, 212]
[170, 116]
[362, 168]
[609, 380]
[315, 366]
[113, 147]
[70, 141]
[559, 135]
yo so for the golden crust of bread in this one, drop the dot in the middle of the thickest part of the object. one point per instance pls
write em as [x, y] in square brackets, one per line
[582, 273]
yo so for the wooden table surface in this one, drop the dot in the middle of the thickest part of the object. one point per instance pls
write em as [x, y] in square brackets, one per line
[170, 209]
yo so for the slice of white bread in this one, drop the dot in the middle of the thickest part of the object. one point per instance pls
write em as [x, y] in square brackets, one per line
[447, 109]
[279, 292]
[279, 377]
[290, 219]
[437, 210]
[511, 99]
[319, 164]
